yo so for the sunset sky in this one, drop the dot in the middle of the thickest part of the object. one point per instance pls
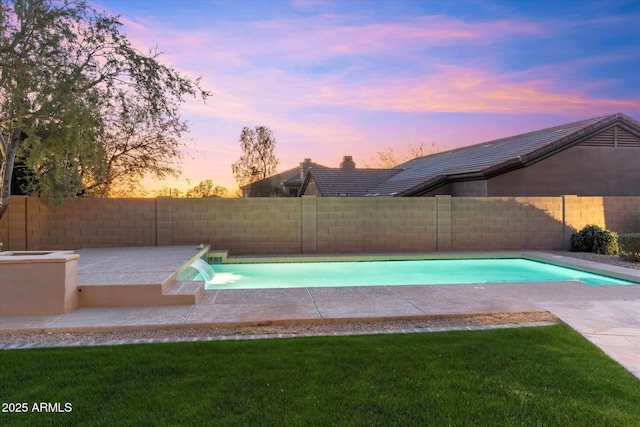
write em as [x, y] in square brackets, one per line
[334, 78]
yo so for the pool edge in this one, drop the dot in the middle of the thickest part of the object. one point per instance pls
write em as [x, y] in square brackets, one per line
[617, 272]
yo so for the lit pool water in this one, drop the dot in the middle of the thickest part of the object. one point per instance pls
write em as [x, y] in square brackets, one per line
[385, 273]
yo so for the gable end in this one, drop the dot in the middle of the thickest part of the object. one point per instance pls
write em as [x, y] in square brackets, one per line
[612, 137]
[625, 139]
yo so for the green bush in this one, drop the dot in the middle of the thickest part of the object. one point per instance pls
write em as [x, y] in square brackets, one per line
[607, 243]
[630, 246]
[583, 240]
[594, 239]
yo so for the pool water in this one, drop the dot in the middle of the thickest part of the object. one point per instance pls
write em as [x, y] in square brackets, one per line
[385, 273]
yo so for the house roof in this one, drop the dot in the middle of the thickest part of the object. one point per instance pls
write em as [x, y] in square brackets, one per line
[292, 176]
[288, 177]
[492, 158]
[347, 181]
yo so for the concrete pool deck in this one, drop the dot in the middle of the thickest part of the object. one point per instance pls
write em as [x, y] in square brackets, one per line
[609, 316]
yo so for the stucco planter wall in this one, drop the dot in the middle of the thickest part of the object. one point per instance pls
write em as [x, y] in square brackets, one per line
[38, 283]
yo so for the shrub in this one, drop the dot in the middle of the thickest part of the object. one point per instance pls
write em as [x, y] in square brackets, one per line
[630, 247]
[594, 239]
[583, 240]
[607, 243]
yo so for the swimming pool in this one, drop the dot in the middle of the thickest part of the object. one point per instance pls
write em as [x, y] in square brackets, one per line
[390, 273]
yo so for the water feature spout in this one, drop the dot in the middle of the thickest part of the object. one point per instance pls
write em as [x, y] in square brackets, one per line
[204, 269]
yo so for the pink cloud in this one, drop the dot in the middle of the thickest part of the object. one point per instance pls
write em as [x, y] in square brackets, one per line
[462, 89]
[243, 92]
[327, 36]
[320, 37]
[224, 56]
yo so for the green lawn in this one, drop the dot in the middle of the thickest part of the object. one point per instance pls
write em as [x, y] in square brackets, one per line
[547, 376]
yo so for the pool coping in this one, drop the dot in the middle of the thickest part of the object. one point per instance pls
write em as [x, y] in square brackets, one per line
[618, 272]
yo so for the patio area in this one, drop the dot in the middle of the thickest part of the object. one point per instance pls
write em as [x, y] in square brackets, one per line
[609, 316]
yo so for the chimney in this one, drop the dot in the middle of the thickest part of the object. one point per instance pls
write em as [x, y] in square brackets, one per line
[304, 167]
[347, 163]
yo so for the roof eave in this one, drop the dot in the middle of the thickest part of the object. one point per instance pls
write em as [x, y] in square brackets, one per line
[504, 167]
[423, 188]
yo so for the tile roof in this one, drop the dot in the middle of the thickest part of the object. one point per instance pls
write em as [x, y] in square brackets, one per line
[490, 158]
[287, 177]
[292, 176]
[348, 182]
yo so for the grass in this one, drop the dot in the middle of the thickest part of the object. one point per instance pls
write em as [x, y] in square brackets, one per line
[547, 376]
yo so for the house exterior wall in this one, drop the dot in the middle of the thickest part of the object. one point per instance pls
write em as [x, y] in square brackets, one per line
[580, 170]
[476, 188]
[312, 188]
[445, 190]
[312, 224]
[267, 187]
[291, 190]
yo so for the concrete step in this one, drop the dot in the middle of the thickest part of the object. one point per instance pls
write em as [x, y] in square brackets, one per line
[131, 288]
[131, 295]
[184, 292]
[120, 295]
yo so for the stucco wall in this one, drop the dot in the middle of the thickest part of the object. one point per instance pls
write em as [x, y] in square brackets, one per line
[469, 188]
[315, 224]
[38, 283]
[580, 170]
[445, 190]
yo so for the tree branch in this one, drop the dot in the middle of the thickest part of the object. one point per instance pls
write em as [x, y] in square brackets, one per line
[3, 147]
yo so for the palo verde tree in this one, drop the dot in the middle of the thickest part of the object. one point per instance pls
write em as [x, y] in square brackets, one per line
[258, 160]
[80, 106]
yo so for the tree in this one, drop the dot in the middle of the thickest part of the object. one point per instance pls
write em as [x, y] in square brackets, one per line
[80, 107]
[166, 191]
[206, 189]
[136, 143]
[258, 160]
[388, 159]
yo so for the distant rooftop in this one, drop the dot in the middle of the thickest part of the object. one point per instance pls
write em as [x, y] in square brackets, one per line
[348, 182]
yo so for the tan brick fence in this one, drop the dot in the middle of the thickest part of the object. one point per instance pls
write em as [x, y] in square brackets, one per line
[314, 225]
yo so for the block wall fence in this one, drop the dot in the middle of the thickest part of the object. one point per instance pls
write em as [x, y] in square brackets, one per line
[312, 224]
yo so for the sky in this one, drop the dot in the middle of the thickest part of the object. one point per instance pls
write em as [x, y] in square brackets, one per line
[335, 78]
